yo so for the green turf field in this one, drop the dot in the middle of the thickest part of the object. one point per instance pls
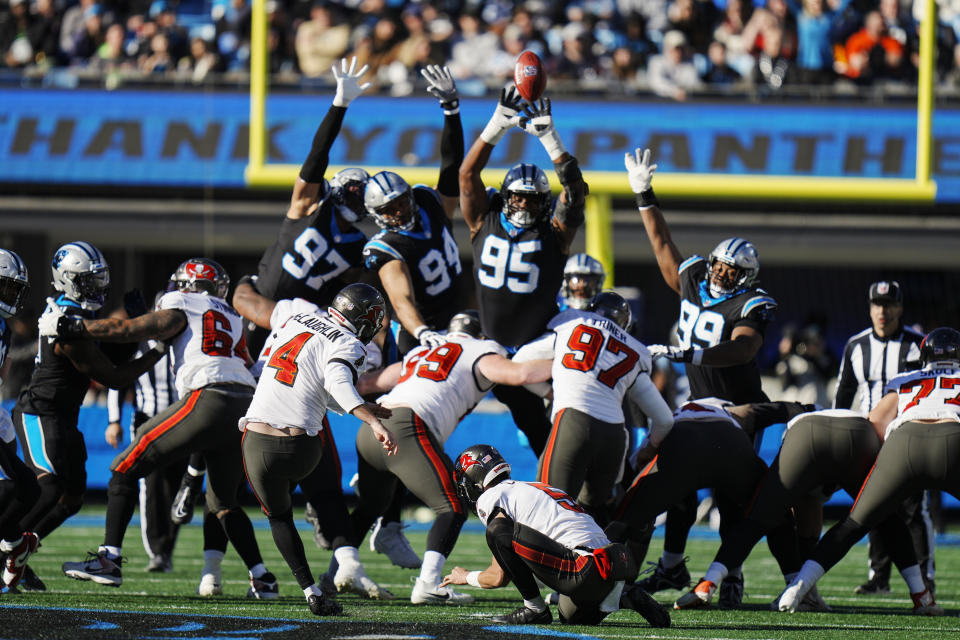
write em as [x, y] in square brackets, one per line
[151, 605]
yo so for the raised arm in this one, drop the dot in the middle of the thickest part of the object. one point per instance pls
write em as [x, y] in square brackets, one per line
[640, 173]
[440, 85]
[473, 197]
[396, 280]
[307, 188]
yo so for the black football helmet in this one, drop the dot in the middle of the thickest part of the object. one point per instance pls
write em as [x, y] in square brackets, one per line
[477, 469]
[468, 322]
[202, 275]
[940, 345]
[612, 306]
[360, 309]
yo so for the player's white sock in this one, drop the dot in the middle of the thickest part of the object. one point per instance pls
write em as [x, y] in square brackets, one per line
[537, 604]
[257, 570]
[716, 573]
[669, 559]
[346, 555]
[312, 590]
[811, 572]
[914, 578]
[112, 552]
[212, 559]
[612, 602]
[431, 570]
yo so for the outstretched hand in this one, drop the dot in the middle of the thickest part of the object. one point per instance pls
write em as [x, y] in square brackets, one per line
[639, 170]
[348, 85]
[504, 116]
[440, 85]
[537, 120]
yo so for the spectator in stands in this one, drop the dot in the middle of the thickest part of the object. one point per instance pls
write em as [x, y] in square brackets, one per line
[409, 50]
[201, 61]
[377, 48]
[91, 36]
[72, 25]
[637, 40]
[279, 38]
[623, 68]
[671, 74]
[44, 33]
[14, 40]
[531, 37]
[654, 12]
[576, 60]
[158, 60]
[321, 40]
[111, 56]
[815, 19]
[870, 52]
[719, 72]
[472, 48]
[695, 20]
[731, 32]
[232, 21]
[163, 14]
[772, 69]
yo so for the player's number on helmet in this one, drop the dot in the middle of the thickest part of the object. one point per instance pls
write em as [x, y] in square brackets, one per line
[502, 264]
[313, 251]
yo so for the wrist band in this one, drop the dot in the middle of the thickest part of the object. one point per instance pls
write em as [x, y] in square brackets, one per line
[492, 133]
[696, 355]
[647, 199]
[419, 330]
[473, 579]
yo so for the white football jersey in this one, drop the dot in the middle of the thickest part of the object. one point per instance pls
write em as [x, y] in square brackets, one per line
[926, 394]
[293, 390]
[442, 384]
[708, 409]
[211, 348]
[282, 310]
[545, 509]
[595, 363]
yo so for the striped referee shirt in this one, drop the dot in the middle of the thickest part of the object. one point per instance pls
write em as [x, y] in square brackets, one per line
[869, 362]
[154, 390]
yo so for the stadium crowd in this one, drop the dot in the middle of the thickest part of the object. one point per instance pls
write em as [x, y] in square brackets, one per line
[669, 47]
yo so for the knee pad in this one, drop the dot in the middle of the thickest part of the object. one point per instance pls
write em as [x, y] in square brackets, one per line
[121, 485]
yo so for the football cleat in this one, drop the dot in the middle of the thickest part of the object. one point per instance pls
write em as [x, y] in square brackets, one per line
[351, 578]
[699, 596]
[160, 563]
[873, 586]
[925, 605]
[31, 581]
[264, 588]
[793, 595]
[424, 593]
[98, 567]
[322, 606]
[15, 562]
[814, 602]
[209, 586]
[643, 603]
[525, 615]
[731, 592]
[675, 578]
[181, 511]
[326, 585]
[387, 538]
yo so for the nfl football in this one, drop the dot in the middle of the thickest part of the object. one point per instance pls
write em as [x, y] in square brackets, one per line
[529, 76]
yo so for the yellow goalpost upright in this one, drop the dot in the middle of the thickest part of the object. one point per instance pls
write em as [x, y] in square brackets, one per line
[605, 184]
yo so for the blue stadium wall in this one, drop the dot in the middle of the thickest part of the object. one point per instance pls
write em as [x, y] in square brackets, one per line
[162, 138]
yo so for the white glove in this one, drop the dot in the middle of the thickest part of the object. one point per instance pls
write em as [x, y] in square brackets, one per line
[160, 346]
[537, 121]
[441, 86]
[639, 170]
[348, 86]
[50, 319]
[7, 432]
[504, 116]
[676, 354]
[430, 338]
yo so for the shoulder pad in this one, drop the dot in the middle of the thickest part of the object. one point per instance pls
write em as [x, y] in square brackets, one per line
[380, 245]
[689, 262]
[428, 191]
[758, 302]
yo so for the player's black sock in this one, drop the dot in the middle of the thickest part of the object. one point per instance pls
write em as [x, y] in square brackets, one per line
[121, 501]
[291, 548]
[214, 537]
[51, 488]
[680, 519]
[443, 534]
[239, 530]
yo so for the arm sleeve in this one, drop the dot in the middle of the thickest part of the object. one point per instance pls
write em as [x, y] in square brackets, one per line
[846, 381]
[648, 398]
[339, 380]
[114, 405]
[316, 163]
[451, 155]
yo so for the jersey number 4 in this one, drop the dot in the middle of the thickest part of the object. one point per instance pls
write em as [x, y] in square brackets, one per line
[284, 358]
[311, 247]
[435, 364]
[586, 344]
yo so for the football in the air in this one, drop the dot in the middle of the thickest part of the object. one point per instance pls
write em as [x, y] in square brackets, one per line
[529, 76]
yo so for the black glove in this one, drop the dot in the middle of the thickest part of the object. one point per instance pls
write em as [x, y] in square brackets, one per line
[134, 303]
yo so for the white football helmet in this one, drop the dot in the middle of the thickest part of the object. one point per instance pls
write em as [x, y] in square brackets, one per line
[583, 278]
[81, 273]
[202, 275]
[738, 253]
[14, 283]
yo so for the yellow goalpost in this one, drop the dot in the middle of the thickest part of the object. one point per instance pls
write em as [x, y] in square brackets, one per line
[605, 184]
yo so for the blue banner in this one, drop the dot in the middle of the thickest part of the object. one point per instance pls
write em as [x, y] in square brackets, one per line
[200, 139]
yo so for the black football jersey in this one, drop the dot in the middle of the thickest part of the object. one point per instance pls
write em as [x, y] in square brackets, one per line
[310, 257]
[431, 255]
[706, 321]
[55, 387]
[517, 274]
[5, 334]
